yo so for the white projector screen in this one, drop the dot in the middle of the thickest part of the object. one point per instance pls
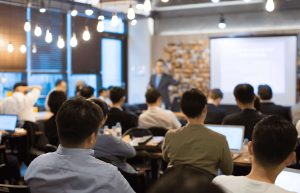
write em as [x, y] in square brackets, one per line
[255, 60]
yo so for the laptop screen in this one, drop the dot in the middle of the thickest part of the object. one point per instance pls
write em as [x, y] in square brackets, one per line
[8, 122]
[233, 134]
[289, 179]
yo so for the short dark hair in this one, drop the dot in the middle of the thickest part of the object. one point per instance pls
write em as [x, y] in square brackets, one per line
[87, 92]
[152, 95]
[58, 82]
[56, 99]
[244, 93]
[77, 119]
[215, 93]
[102, 90]
[116, 94]
[274, 139]
[265, 92]
[184, 180]
[102, 105]
[19, 84]
[192, 103]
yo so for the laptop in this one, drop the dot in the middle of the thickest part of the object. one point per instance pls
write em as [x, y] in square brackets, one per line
[234, 135]
[289, 180]
[8, 122]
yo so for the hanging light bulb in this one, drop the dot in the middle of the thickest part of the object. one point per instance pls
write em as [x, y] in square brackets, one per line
[74, 13]
[215, 1]
[165, 1]
[222, 23]
[38, 31]
[23, 49]
[27, 26]
[270, 6]
[147, 6]
[60, 42]
[34, 49]
[115, 20]
[139, 6]
[133, 22]
[89, 12]
[73, 41]
[42, 8]
[130, 13]
[86, 36]
[10, 47]
[100, 24]
[48, 37]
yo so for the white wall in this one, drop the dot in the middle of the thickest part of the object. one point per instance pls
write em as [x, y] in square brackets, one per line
[139, 62]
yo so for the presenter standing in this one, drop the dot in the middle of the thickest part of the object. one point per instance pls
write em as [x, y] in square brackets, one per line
[161, 81]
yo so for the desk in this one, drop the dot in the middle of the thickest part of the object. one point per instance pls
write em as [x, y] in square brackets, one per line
[243, 160]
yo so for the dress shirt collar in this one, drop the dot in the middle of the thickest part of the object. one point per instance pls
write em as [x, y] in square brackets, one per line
[74, 151]
[154, 108]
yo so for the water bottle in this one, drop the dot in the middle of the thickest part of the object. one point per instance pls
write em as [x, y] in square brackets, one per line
[118, 130]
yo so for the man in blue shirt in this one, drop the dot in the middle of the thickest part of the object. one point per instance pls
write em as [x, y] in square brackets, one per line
[72, 168]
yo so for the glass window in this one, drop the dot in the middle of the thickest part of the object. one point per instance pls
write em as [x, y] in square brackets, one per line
[111, 62]
[109, 28]
[7, 81]
[47, 81]
[89, 79]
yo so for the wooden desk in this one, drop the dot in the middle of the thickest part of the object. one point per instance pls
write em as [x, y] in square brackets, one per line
[243, 160]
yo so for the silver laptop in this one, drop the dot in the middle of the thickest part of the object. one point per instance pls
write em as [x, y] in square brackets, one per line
[8, 122]
[289, 179]
[234, 135]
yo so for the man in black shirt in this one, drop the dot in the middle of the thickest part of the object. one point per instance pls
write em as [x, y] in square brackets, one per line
[248, 116]
[215, 114]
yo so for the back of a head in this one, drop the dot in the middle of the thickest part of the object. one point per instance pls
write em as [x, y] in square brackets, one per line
[77, 120]
[100, 91]
[215, 94]
[116, 94]
[274, 139]
[193, 103]
[59, 82]
[184, 181]
[265, 92]
[244, 93]
[56, 99]
[102, 105]
[87, 92]
[152, 95]
[19, 84]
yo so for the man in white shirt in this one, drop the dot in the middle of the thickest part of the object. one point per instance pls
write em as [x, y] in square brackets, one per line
[22, 101]
[104, 95]
[60, 85]
[155, 116]
[272, 149]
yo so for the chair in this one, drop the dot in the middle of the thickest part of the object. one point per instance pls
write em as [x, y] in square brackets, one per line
[3, 162]
[137, 132]
[158, 131]
[4, 188]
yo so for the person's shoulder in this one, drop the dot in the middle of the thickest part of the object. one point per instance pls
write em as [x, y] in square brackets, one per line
[226, 179]
[217, 136]
[231, 117]
[276, 189]
[174, 132]
[44, 159]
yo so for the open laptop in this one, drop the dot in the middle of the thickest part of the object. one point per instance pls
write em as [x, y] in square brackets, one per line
[8, 122]
[234, 135]
[289, 180]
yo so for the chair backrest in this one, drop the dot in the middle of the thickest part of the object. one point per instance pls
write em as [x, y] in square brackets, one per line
[4, 188]
[158, 131]
[137, 132]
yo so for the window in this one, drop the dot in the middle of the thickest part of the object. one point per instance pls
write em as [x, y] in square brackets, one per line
[7, 81]
[89, 79]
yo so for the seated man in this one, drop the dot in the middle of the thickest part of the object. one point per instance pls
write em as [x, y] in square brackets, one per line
[267, 107]
[87, 92]
[116, 113]
[272, 149]
[155, 116]
[60, 85]
[104, 95]
[195, 144]
[248, 116]
[22, 101]
[110, 148]
[72, 168]
[215, 114]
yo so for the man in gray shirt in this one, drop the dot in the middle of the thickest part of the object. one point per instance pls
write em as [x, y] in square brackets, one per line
[72, 168]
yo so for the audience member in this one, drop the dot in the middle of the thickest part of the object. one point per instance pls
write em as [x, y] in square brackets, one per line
[272, 149]
[161, 81]
[257, 103]
[184, 180]
[110, 148]
[104, 95]
[60, 85]
[22, 101]
[55, 101]
[195, 144]
[78, 86]
[248, 116]
[267, 107]
[87, 92]
[215, 114]
[117, 114]
[155, 116]
[72, 168]
[295, 113]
